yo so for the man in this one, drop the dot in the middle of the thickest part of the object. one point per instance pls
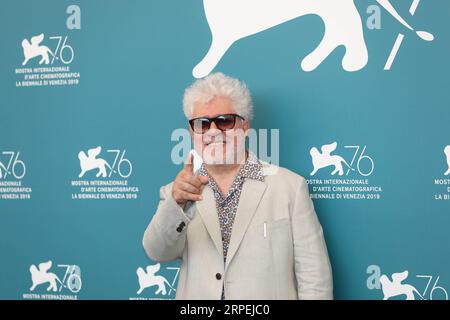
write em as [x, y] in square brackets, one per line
[243, 229]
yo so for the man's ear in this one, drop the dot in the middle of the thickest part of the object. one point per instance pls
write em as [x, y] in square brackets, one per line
[246, 127]
[191, 133]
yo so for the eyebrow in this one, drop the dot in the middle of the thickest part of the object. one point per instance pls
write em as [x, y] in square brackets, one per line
[209, 116]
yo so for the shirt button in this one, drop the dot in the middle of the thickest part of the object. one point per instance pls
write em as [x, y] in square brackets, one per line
[218, 276]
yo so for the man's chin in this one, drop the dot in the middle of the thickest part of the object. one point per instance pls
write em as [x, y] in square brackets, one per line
[220, 160]
[214, 160]
[219, 155]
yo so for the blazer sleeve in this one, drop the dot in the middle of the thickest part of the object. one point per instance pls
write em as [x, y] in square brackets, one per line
[165, 237]
[312, 266]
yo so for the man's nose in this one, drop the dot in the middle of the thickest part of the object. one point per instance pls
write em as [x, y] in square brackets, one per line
[213, 130]
[213, 125]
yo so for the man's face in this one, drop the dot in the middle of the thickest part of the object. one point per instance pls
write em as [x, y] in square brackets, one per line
[216, 146]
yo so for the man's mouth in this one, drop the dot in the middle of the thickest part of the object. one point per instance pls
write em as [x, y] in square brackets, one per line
[215, 143]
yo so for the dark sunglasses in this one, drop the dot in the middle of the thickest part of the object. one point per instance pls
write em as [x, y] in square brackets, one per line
[223, 122]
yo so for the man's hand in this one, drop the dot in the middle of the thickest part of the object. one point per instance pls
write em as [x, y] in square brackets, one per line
[186, 186]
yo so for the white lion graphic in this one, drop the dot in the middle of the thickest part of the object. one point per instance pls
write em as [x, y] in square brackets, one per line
[232, 20]
[325, 159]
[33, 49]
[447, 154]
[2, 167]
[396, 287]
[90, 162]
[41, 276]
[148, 279]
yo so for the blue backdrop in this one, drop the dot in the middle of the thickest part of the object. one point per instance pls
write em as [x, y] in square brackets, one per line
[112, 74]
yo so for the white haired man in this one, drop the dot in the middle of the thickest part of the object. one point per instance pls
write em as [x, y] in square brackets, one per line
[241, 229]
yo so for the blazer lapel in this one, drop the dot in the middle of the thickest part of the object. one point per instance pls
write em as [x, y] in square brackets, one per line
[208, 213]
[251, 194]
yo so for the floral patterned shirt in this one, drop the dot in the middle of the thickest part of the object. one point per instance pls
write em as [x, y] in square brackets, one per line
[227, 204]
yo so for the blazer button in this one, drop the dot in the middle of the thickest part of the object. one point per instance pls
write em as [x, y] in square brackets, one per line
[179, 229]
[218, 276]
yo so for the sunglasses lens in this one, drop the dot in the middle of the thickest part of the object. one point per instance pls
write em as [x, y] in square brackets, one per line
[225, 122]
[200, 125]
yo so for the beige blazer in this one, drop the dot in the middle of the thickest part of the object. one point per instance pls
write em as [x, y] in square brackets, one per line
[277, 248]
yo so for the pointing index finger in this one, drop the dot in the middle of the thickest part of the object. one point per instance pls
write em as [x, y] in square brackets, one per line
[188, 163]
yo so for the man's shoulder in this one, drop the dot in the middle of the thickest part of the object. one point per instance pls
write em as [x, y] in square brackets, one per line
[277, 174]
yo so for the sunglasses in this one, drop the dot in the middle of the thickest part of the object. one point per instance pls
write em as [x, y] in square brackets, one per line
[223, 122]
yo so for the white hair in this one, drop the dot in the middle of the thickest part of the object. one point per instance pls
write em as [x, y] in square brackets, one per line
[219, 85]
